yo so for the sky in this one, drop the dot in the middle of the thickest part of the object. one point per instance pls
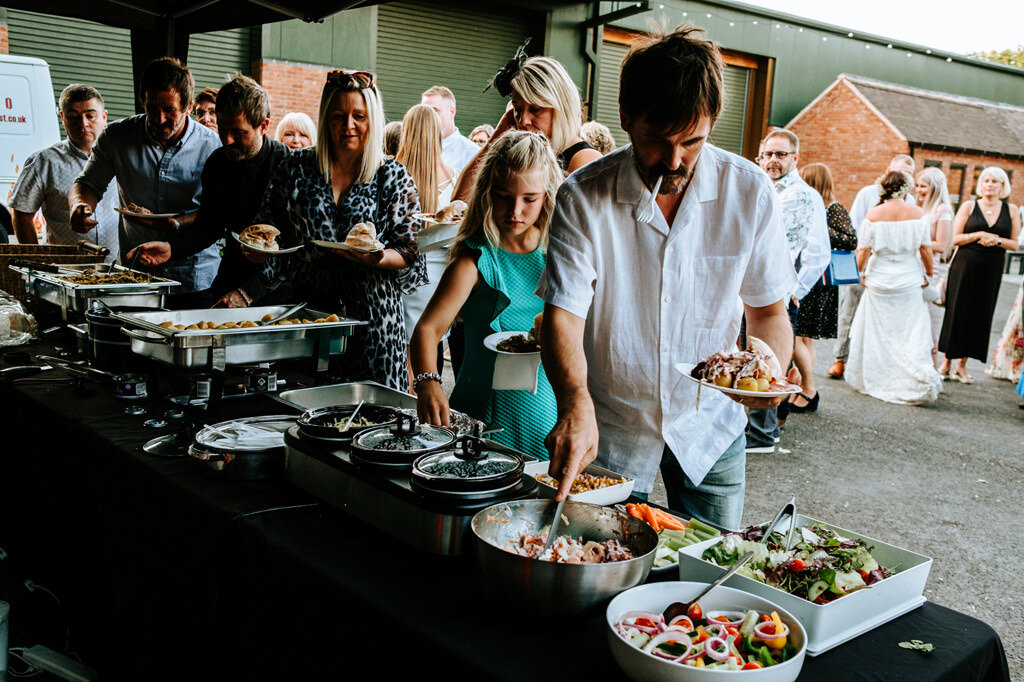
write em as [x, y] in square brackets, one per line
[952, 25]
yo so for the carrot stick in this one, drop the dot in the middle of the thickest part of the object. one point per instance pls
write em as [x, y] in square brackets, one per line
[666, 520]
[649, 517]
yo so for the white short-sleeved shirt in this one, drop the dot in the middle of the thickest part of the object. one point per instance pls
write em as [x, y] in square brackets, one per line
[654, 296]
[458, 150]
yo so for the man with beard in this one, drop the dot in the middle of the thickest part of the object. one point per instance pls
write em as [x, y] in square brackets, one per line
[627, 299]
[235, 179]
[157, 158]
[47, 175]
[803, 221]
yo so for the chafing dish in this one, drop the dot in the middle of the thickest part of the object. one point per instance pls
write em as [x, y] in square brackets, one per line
[215, 348]
[49, 287]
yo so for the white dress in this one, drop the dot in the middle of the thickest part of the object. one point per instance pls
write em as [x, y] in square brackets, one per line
[891, 337]
[415, 303]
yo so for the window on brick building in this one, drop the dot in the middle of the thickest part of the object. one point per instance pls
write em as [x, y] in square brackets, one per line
[933, 164]
[957, 172]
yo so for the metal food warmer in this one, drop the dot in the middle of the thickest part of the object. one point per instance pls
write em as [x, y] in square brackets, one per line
[399, 497]
[215, 348]
[48, 283]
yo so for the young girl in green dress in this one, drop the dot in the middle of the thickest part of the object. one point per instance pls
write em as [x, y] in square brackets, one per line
[492, 273]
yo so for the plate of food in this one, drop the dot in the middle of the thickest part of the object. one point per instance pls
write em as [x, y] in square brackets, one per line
[512, 343]
[594, 484]
[673, 533]
[754, 372]
[362, 238]
[262, 238]
[136, 211]
[452, 214]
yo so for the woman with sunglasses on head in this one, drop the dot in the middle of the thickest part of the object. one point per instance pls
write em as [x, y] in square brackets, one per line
[320, 193]
[543, 99]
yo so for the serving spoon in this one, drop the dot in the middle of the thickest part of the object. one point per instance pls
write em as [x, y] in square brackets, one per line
[685, 606]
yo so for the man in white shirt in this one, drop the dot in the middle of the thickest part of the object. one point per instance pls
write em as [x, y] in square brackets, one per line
[629, 299]
[46, 177]
[849, 294]
[803, 219]
[456, 149]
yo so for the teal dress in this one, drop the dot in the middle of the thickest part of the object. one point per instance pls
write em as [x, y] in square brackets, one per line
[505, 301]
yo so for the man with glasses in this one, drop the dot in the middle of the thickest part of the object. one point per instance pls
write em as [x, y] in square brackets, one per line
[803, 220]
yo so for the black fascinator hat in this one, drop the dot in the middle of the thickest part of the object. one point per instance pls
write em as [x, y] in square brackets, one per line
[502, 80]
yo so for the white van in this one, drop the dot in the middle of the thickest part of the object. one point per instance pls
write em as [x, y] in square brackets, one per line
[28, 115]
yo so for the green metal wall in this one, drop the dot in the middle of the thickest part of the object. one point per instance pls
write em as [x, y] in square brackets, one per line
[107, 64]
[346, 40]
[808, 60]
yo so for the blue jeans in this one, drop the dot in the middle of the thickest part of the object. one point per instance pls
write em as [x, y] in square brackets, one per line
[718, 500]
[763, 425]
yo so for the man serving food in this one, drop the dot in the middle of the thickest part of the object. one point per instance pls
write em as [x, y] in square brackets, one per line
[631, 292]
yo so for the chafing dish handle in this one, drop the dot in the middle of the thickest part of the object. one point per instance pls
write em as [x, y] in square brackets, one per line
[95, 248]
[131, 333]
[28, 265]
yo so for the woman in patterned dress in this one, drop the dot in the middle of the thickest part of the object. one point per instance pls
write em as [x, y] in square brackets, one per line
[320, 193]
[493, 271]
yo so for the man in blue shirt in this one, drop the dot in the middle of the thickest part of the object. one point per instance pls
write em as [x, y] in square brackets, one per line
[157, 158]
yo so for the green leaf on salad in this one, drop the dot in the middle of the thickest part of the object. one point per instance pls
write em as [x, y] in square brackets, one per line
[918, 645]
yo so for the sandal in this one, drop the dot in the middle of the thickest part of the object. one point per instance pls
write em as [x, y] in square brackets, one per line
[963, 378]
[945, 376]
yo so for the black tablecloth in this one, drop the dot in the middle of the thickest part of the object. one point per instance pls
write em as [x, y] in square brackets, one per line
[170, 574]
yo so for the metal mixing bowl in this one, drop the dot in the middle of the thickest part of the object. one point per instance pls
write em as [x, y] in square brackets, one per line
[555, 589]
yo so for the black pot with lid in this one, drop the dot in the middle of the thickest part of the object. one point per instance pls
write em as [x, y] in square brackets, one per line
[471, 469]
[400, 444]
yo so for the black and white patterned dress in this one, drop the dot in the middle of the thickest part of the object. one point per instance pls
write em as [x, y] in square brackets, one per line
[299, 202]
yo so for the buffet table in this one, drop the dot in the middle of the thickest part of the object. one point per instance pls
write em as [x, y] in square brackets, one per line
[168, 573]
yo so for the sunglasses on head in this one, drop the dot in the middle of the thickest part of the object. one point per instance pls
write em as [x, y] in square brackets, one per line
[358, 79]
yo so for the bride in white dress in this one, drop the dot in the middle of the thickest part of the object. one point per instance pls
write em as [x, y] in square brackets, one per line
[891, 335]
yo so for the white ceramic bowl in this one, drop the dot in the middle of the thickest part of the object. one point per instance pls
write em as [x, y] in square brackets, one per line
[655, 597]
[611, 494]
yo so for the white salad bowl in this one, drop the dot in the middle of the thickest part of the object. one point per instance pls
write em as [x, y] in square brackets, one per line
[655, 597]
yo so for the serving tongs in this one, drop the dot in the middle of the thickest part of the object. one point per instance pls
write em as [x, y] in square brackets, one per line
[291, 311]
[788, 509]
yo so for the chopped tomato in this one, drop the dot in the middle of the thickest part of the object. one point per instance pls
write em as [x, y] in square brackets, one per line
[645, 622]
[721, 619]
[695, 612]
[797, 565]
[864, 575]
[765, 618]
[751, 666]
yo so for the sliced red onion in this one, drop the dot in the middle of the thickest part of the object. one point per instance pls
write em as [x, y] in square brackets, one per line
[761, 632]
[682, 621]
[735, 618]
[669, 636]
[631, 617]
[719, 630]
[717, 648]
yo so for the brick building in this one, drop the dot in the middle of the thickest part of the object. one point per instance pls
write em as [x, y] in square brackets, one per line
[856, 125]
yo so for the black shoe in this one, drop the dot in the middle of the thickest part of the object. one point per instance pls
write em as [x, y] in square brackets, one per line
[811, 406]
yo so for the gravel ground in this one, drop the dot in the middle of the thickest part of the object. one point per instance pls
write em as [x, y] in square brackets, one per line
[946, 481]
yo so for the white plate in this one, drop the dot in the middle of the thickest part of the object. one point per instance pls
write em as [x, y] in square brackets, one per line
[492, 340]
[270, 251]
[133, 214]
[431, 222]
[829, 625]
[341, 246]
[611, 494]
[437, 236]
[790, 389]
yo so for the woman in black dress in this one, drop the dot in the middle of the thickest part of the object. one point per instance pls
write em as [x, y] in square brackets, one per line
[983, 231]
[818, 314]
[320, 193]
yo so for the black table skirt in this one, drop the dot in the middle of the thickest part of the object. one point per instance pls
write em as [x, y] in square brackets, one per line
[170, 574]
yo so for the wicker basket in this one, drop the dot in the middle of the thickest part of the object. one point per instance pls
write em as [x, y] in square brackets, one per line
[62, 254]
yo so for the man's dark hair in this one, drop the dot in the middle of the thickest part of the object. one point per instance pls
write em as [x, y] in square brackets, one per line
[167, 73]
[243, 95]
[672, 80]
[78, 92]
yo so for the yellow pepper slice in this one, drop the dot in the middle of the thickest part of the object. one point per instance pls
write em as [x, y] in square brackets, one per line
[779, 642]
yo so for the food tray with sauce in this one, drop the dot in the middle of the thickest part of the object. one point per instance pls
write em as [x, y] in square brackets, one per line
[54, 288]
[829, 625]
[236, 346]
[610, 494]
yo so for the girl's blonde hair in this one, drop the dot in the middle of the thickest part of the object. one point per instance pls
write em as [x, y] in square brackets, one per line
[373, 151]
[517, 151]
[544, 82]
[1000, 175]
[938, 194]
[419, 150]
[299, 121]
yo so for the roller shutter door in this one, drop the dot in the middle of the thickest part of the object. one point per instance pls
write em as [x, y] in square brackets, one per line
[728, 131]
[106, 61]
[461, 47]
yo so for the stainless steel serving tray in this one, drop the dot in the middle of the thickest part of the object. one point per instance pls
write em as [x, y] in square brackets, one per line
[49, 287]
[215, 348]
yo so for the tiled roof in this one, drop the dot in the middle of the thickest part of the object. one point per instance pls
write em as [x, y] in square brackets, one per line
[940, 119]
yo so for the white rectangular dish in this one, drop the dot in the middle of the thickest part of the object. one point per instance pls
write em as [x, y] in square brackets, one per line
[612, 494]
[829, 625]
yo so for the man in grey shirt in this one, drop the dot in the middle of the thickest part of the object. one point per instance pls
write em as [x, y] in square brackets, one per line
[47, 175]
[157, 158]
